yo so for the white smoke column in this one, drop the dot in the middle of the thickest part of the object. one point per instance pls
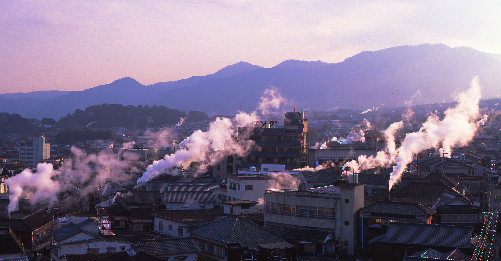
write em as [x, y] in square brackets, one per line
[210, 147]
[181, 121]
[456, 129]
[383, 158]
[283, 180]
[324, 166]
[160, 139]
[128, 145]
[84, 174]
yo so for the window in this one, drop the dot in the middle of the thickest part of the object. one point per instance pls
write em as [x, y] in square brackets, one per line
[170, 226]
[122, 248]
[265, 169]
[111, 250]
[180, 232]
[249, 187]
[245, 207]
[161, 225]
[346, 200]
[347, 223]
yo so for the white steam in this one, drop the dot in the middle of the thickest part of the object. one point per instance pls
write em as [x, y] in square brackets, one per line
[210, 147]
[84, 174]
[457, 128]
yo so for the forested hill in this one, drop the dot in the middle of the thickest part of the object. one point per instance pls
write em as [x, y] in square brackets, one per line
[117, 115]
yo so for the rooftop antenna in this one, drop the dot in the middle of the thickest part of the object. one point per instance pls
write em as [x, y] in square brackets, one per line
[294, 103]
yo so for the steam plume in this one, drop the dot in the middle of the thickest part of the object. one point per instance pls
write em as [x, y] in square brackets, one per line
[457, 128]
[84, 174]
[210, 147]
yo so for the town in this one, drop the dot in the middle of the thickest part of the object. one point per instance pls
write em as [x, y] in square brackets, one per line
[290, 196]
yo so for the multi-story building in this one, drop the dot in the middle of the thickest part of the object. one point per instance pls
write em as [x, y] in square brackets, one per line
[33, 151]
[327, 209]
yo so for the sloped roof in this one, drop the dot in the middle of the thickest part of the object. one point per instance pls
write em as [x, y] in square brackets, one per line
[17, 225]
[193, 216]
[424, 192]
[431, 254]
[188, 196]
[323, 177]
[426, 235]
[70, 230]
[143, 213]
[233, 229]
[167, 247]
[398, 208]
[38, 218]
[138, 197]
[118, 256]
[374, 179]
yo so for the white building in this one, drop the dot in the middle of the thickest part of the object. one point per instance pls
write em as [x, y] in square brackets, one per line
[329, 209]
[34, 151]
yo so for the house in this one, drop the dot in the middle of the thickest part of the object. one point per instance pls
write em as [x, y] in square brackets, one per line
[405, 239]
[119, 256]
[180, 223]
[375, 185]
[10, 246]
[375, 218]
[169, 249]
[240, 207]
[459, 215]
[329, 209]
[138, 199]
[179, 200]
[235, 238]
[425, 192]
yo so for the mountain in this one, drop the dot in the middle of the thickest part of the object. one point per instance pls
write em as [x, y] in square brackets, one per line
[424, 74]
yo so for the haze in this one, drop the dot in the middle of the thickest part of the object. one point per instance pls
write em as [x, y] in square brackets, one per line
[75, 45]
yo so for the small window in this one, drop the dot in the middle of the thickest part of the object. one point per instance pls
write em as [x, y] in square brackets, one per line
[346, 200]
[161, 226]
[92, 250]
[249, 187]
[122, 248]
[245, 207]
[180, 232]
[170, 226]
[111, 250]
[347, 223]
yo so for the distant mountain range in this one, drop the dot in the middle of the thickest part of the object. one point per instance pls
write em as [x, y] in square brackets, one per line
[389, 77]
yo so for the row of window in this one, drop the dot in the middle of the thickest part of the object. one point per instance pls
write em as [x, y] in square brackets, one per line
[236, 186]
[300, 211]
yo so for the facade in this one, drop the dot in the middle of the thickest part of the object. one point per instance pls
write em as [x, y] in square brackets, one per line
[180, 223]
[247, 187]
[34, 151]
[328, 209]
[279, 144]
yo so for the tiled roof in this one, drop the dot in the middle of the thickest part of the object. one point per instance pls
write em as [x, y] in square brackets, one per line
[139, 197]
[188, 196]
[119, 256]
[167, 247]
[17, 225]
[193, 216]
[142, 213]
[323, 177]
[276, 245]
[398, 208]
[374, 179]
[431, 254]
[424, 192]
[234, 229]
[38, 218]
[70, 230]
[327, 190]
[426, 235]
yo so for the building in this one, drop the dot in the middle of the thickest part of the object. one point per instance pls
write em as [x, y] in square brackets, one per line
[33, 151]
[180, 223]
[327, 209]
[404, 239]
[235, 238]
[169, 249]
[284, 144]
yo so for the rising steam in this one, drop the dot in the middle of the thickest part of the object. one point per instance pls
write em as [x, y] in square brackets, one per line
[210, 147]
[84, 174]
[457, 128]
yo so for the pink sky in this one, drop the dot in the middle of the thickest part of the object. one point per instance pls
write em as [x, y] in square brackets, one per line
[75, 45]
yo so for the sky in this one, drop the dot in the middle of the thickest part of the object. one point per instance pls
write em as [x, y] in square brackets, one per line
[75, 45]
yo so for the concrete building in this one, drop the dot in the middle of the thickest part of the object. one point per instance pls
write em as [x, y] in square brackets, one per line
[327, 209]
[33, 151]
